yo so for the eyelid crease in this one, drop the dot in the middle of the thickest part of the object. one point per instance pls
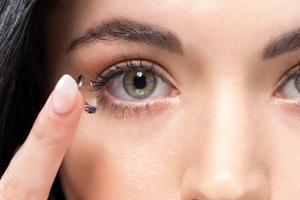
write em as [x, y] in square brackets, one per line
[127, 108]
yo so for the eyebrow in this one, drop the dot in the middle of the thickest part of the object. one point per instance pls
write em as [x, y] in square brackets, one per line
[132, 31]
[284, 44]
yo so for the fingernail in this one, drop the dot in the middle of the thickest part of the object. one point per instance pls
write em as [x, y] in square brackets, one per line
[64, 95]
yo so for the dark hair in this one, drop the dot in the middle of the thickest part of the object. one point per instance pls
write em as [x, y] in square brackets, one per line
[22, 94]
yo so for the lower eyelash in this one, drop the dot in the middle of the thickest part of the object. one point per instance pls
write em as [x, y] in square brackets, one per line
[121, 110]
[118, 108]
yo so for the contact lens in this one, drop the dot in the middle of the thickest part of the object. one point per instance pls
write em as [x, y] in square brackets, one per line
[89, 94]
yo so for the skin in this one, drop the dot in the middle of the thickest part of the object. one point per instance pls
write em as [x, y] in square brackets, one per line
[228, 136]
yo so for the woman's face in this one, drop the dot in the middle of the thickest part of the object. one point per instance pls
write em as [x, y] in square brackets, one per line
[219, 118]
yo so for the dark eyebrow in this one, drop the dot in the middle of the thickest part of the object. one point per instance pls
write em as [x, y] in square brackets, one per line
[283, 44]
[129, 30]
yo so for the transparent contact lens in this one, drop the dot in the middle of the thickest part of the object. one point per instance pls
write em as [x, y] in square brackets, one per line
[89, 94]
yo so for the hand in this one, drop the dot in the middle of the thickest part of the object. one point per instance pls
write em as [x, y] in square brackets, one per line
[32, 170]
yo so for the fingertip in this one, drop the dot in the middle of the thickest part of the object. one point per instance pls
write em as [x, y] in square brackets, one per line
[64, 95]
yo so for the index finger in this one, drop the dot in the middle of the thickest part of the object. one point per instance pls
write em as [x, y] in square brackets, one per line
[34, 167]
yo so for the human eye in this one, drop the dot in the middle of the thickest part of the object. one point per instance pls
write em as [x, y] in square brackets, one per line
[133, 86]
[289, 86]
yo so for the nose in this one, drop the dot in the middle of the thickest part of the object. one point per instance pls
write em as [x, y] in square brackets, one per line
[225, 162]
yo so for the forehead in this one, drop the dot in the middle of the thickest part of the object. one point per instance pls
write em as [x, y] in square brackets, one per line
[210, 26]
[193, 10]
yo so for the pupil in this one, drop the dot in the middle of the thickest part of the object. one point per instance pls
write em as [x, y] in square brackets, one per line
[139, 82]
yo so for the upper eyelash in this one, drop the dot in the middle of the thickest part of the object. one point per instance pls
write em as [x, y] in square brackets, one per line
[116, 70]
[103, 79]
[290, 75]
[123, 67]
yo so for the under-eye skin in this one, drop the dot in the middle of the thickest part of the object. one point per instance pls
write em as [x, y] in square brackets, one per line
[134, 87]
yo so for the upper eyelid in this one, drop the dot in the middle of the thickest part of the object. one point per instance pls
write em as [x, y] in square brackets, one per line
[128, 62]
[287, 76]
[121, 67]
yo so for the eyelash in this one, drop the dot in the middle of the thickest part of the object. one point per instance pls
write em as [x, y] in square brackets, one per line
[102, 79]
[290, 75]
[126, 66]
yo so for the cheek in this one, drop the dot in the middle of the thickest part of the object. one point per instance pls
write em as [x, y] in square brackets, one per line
[282, 142]
[109, 161]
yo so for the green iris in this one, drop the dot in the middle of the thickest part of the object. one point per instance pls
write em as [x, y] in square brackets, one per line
[297, 83]
[139, 84]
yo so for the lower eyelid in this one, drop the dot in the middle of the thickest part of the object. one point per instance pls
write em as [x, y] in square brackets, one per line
[172, 95]
[288, 103]
[119, 109]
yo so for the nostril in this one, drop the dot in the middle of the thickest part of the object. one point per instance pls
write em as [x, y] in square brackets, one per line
[225, 186]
